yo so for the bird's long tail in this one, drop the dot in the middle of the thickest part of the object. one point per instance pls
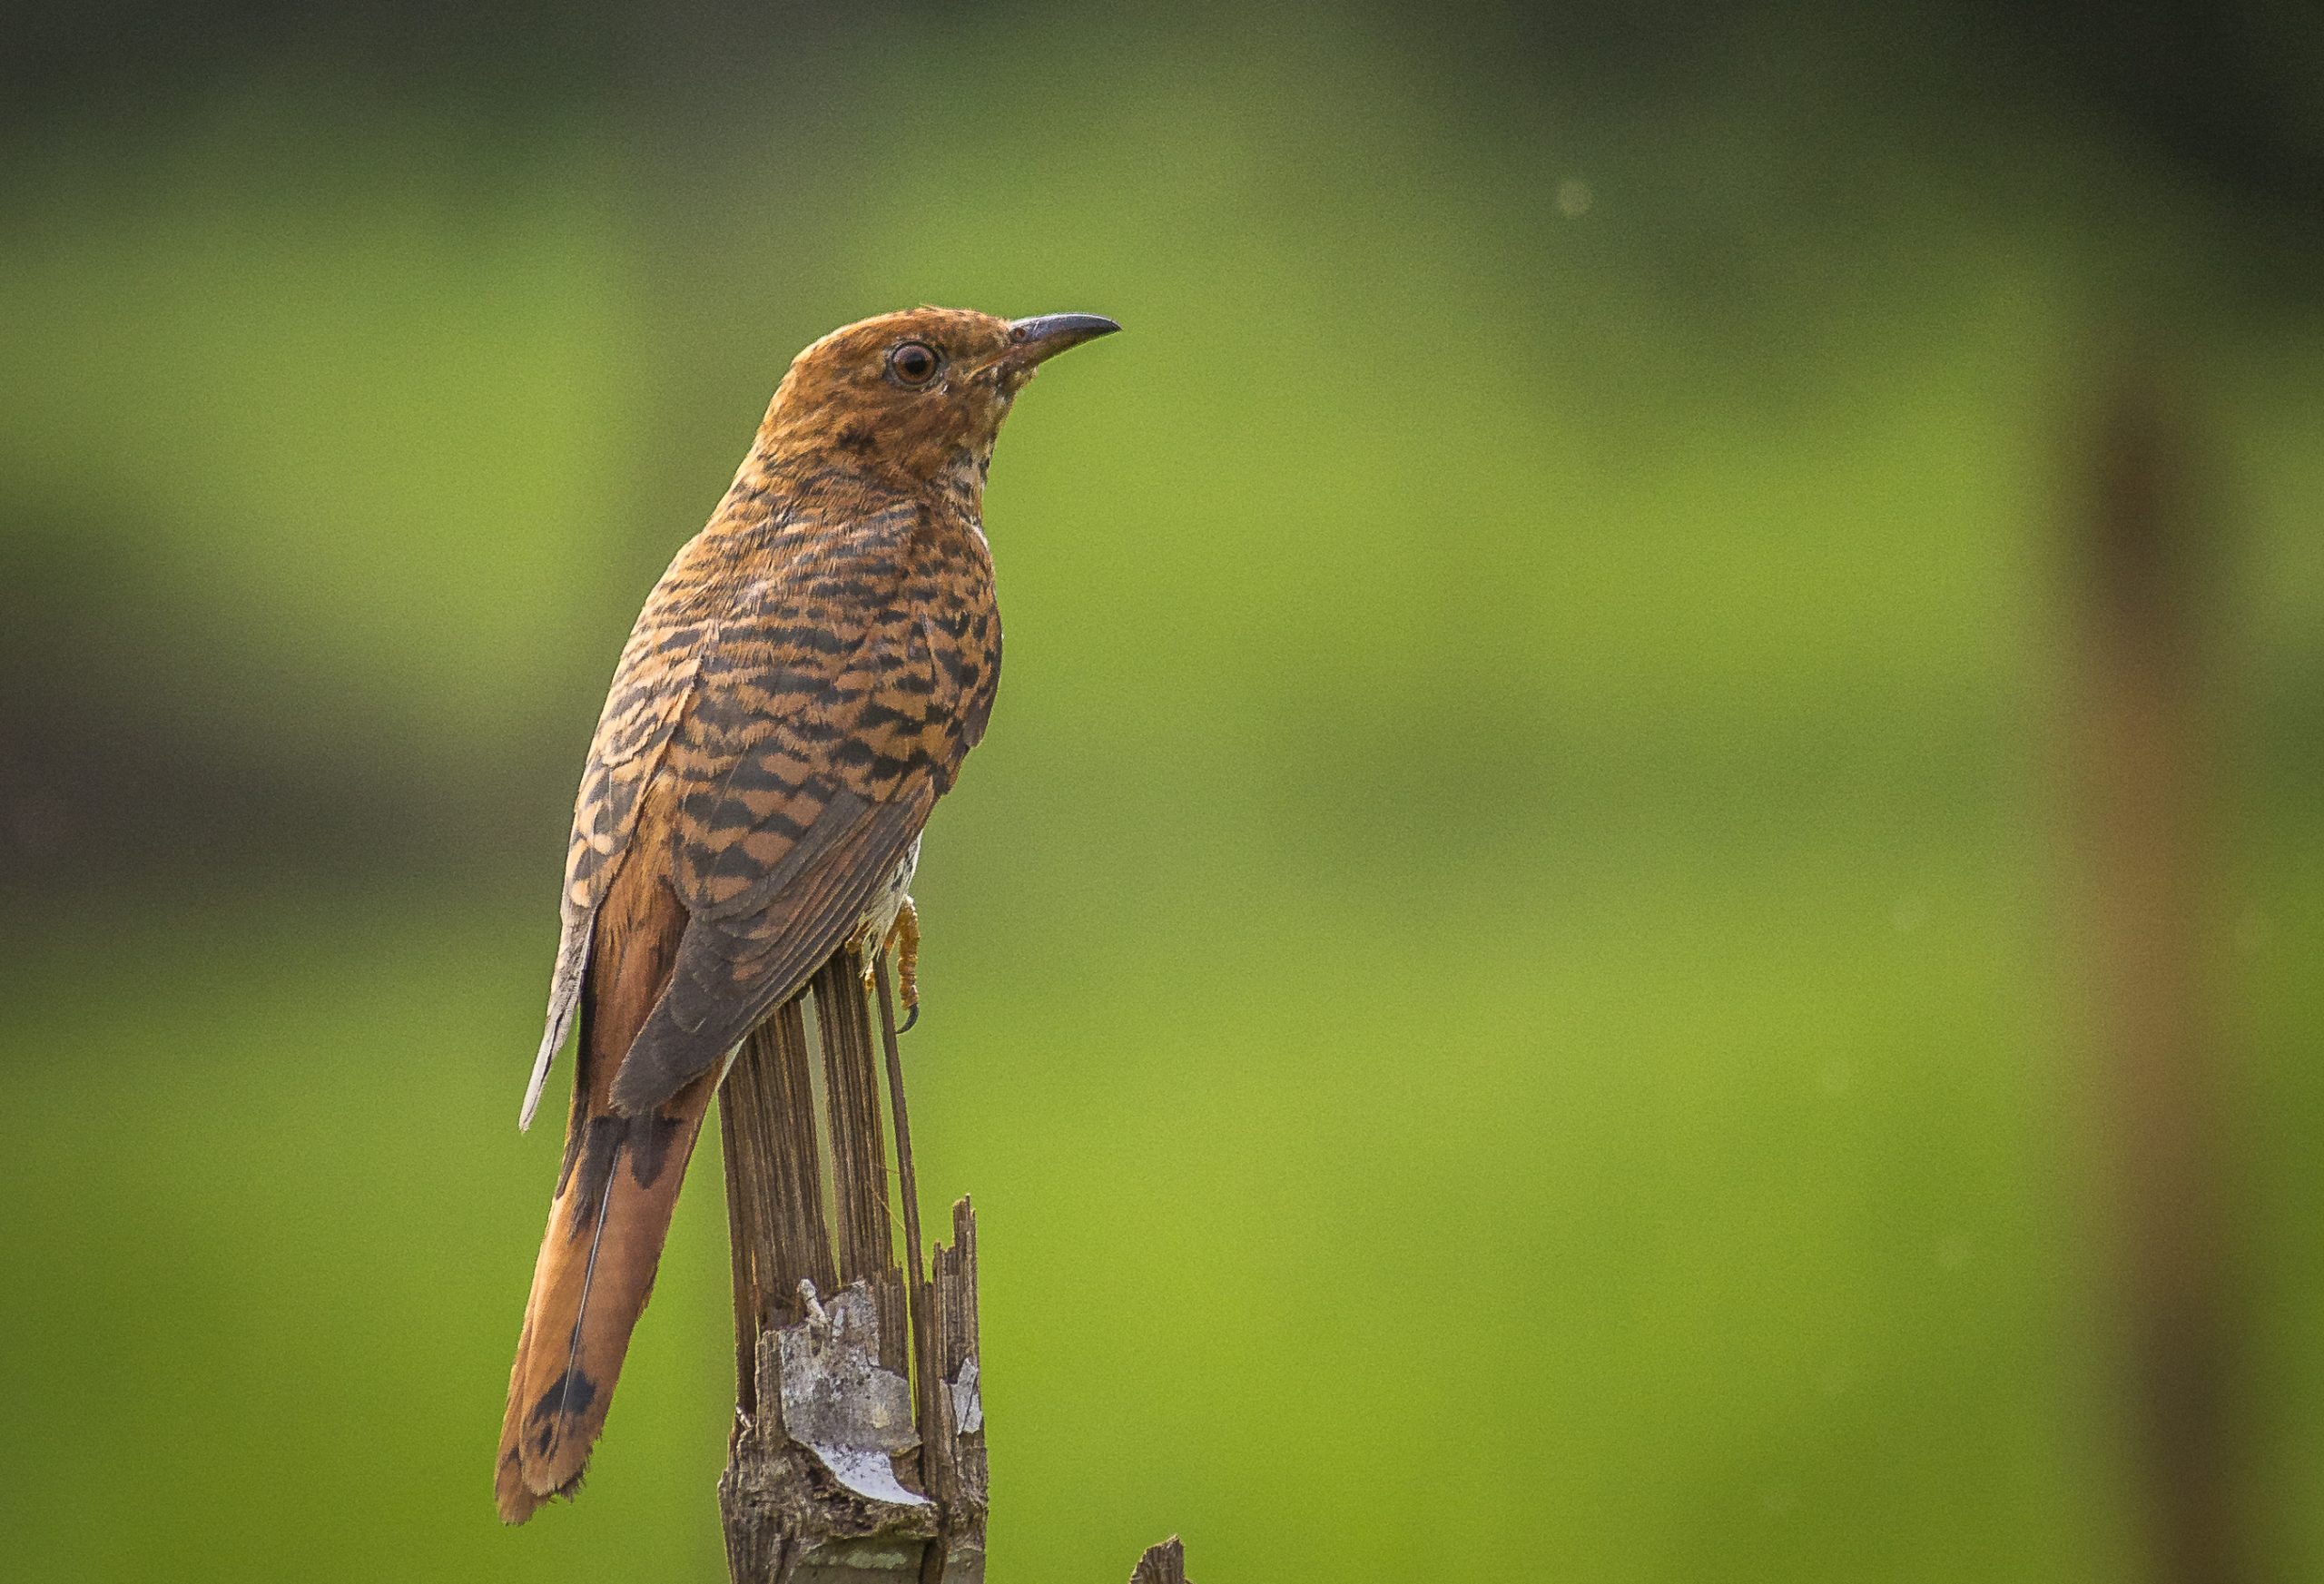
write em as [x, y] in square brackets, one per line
[606, 1229]
[615, 1194]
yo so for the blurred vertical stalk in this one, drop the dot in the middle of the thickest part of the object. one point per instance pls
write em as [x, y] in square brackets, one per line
[2143, 551]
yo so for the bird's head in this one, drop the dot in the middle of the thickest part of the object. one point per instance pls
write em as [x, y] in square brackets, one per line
[917, 395]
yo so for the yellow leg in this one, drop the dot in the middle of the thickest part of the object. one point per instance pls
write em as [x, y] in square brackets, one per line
[904, 946]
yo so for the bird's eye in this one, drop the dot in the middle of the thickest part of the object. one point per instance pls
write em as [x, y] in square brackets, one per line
[913, 363]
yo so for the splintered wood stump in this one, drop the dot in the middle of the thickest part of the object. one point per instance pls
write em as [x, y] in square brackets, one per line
[1162, 1564]
[857, 1451]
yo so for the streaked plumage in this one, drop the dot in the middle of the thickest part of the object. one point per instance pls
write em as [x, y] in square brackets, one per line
[800, 689]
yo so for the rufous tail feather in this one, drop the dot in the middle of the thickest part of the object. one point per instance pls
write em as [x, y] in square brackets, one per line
[595, 1271]
[615, 1194]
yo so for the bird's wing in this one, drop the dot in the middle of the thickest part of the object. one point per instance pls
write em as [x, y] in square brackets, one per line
[732, 973]
[660, 668]
[824, 727]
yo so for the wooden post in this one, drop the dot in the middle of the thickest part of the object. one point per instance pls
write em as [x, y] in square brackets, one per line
[858, 1449]
[2143, 557]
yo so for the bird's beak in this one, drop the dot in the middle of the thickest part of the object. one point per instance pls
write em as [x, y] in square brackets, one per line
[1033, 341]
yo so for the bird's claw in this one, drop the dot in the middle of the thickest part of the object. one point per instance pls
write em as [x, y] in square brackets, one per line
[903, 945]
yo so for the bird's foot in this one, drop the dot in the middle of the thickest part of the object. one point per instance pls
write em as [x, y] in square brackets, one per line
[903, 945]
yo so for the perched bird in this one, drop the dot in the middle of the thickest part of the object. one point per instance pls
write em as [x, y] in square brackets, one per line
[800, 689]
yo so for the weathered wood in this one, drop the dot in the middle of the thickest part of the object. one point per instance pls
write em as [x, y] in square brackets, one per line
[1162, 1564]
[959, 1370]
[848, 1464]
[775, 1190]
[859, 1147]
[936, 1470]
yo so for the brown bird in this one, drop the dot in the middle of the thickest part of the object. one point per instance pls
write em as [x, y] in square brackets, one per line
[800, 689]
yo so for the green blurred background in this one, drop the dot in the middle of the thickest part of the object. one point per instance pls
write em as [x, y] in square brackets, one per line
[1505, 981]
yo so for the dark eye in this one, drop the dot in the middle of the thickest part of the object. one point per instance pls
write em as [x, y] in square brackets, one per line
[914, 363]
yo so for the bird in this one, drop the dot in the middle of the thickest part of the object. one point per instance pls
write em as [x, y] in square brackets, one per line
[800, 689]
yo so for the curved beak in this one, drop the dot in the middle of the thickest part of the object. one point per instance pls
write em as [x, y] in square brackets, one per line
[1036, 341]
